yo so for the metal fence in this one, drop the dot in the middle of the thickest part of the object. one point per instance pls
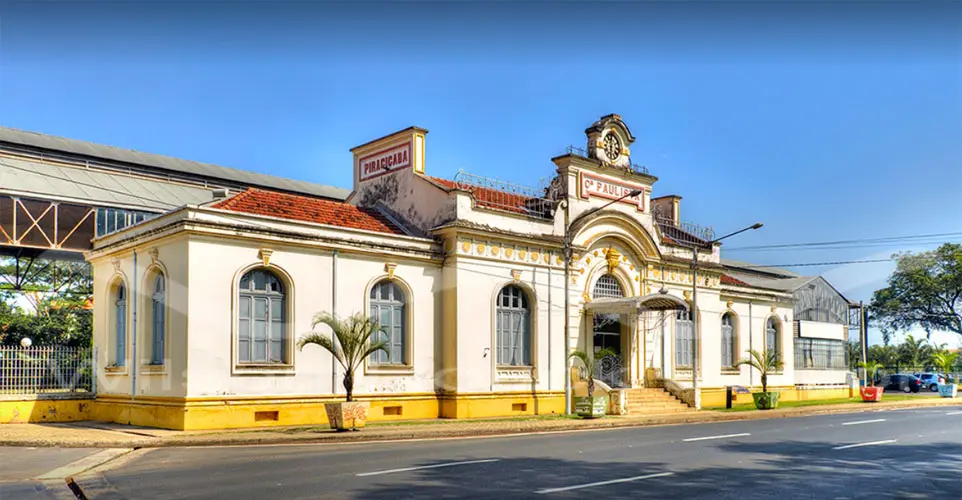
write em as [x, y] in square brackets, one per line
[45, 370]
[820, 354]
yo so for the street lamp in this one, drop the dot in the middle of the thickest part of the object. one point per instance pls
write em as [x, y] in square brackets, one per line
[694, 308]
[567, 261]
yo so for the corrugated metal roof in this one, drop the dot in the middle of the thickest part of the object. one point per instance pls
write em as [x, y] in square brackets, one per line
[759, 268]
[49, 181]
[154, 161]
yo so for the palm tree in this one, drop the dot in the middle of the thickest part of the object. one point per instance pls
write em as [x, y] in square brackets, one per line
[945, 361]
[914, 351]
[349, 345]
[765, 362]
[589, 362]
[871, 369]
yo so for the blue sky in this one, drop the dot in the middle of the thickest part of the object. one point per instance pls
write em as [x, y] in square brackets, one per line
[823, 122]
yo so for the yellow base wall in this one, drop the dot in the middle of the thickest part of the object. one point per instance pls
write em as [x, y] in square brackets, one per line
[501, 405]
[33, 410]
[235, 413]
[715, 397]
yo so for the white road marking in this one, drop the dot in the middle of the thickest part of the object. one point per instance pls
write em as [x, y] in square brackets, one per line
[864, 421]
[954, 413]
[406, 469]
[716, 437]
[603, 483]
[871, 443]
[85, 463]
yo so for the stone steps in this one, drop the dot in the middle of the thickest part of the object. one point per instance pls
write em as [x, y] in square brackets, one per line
[650, 401]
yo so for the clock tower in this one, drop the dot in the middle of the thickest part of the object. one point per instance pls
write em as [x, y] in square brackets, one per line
[608, 141]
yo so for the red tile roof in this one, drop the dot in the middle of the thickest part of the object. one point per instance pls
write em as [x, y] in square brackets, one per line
[492, 198]
[728, 280]
[307, 209]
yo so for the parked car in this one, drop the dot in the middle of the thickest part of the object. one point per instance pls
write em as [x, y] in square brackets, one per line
[904, 383]
[932, 380]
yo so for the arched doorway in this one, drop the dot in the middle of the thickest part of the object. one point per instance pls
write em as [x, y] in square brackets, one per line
[607, 333]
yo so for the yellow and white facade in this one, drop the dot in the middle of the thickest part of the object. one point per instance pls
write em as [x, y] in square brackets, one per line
[472, 278]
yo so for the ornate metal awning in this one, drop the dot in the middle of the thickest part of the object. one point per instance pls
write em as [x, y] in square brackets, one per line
[660, 301]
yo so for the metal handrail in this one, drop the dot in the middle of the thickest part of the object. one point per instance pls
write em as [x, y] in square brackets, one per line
[575, 150]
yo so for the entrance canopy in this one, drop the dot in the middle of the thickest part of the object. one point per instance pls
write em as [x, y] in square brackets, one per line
[660, 301]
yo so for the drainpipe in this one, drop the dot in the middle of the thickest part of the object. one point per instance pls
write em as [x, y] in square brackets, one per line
[664, 369]
[751, 371]
[134, 298]
[334, 313]
[549, 327]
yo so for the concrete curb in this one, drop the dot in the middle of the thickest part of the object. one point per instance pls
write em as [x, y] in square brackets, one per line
[432, 432]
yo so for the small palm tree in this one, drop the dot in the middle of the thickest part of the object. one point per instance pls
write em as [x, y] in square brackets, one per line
[871, 369]
[589, 361]
[349, 345]
[945, 361]
[765, 362]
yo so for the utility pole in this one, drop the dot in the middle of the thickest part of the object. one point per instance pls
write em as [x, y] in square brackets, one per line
[863, 339]
[694, 307]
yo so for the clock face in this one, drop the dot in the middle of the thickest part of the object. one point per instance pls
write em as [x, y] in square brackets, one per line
[612, 147]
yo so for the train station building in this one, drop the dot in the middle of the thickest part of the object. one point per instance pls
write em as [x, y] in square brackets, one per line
[198, 307]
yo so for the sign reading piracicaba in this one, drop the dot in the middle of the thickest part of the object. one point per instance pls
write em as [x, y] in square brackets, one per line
[610, 188]
[386, 161]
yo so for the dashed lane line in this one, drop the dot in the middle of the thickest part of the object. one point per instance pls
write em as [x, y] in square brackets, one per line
[723, 436]
[870, 443]
[859, 422]
[603, 483]
[436, 466]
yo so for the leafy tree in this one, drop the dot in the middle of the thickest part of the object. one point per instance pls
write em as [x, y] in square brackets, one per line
[885, 355]
[914, 352]
[853, 352]
[945, 361]
[765, 362]
[350, 344]
[925, 291]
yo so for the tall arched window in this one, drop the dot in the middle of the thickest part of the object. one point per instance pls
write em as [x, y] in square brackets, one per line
[387, 307]
[772, 342]
[728, 340]
[262, 322]
[683, 338]
[120, 326]
[158, 311]
[513, 327]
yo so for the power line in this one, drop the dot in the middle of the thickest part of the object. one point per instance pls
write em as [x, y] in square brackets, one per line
[805, 264]
[860, 242]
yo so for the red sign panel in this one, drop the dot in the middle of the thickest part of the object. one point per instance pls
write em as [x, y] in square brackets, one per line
[608, 187]
[385, 162]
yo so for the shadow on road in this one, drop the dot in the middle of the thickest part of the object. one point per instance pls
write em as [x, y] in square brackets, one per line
[787, 470]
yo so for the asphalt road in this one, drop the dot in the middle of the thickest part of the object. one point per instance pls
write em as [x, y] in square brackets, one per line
[904, 454]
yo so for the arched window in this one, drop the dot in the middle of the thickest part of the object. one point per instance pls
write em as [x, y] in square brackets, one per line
[387, 307]
[607, 286]
[158, 311]
[728, 341]
[120, 326]
[772, 341]
[513, 327]
[262, 322]
[683, 339]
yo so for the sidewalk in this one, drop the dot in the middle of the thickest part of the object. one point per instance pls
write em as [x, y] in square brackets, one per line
[108, 435]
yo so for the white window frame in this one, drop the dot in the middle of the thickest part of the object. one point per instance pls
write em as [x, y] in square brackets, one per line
[514, 344]
[397, 336]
